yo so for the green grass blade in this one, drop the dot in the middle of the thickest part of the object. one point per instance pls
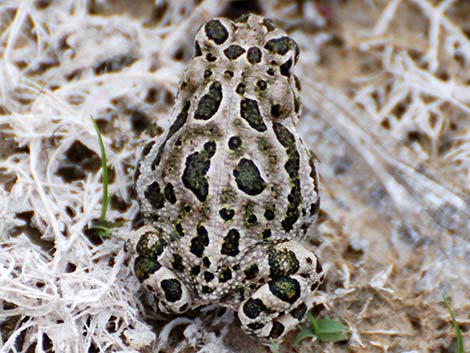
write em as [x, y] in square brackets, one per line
[457, 329]
[104, 166]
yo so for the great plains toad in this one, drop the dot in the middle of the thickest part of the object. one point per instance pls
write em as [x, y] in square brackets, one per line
[229, 189]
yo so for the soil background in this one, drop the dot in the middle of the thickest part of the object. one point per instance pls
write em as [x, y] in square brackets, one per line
[386, 110]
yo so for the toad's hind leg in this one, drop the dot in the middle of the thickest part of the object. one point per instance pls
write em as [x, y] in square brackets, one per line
[279, 305]
[171, 295]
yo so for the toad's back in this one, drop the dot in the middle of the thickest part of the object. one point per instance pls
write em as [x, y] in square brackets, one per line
[230, 174]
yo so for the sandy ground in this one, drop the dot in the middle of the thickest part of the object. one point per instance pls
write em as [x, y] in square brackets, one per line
[386, 108]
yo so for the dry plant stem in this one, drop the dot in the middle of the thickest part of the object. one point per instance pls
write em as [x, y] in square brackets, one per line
[413, 192]
[58, 291]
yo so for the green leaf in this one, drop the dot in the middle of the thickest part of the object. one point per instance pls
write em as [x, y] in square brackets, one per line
[306, 333]
[313, 322]
[274, 346]
[457, 329]
[330, 330]
[102, 231]
[326, 330]
[115, 224]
